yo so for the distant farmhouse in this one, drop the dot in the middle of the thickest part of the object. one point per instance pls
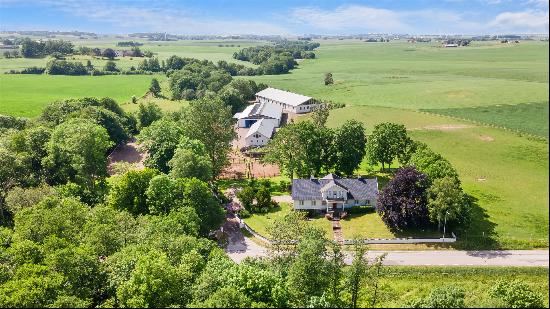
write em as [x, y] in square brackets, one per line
[332, 193]
[290, 102]
[265, 114]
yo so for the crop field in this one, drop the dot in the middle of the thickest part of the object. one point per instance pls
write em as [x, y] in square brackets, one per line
[506, 172]
[529, 118]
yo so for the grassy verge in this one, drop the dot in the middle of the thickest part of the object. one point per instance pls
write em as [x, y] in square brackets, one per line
[402, 283]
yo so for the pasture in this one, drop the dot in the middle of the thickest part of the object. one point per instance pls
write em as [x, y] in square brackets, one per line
[506, 173]
[26, 95]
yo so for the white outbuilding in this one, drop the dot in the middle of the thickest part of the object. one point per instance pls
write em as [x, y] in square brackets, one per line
[269, 112]
[259, 133]
[288, 101]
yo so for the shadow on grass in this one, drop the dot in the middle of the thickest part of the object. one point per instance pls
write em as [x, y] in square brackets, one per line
[480, 235]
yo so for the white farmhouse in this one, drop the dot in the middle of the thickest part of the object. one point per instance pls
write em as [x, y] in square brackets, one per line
[259, 133]
[332, 193]
[288, 101]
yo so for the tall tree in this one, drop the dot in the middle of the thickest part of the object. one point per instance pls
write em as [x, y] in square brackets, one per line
[355, 274]
[191, 160]
[77, 151]
[349, 147]
[128, 191]
[308, 275]
[286, 150]
[160, 140]
[386, 143]
[402, 203]
[210, 121]
[154, 88]
[446, 201]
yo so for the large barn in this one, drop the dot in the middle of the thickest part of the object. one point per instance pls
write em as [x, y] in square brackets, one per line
[288, 101]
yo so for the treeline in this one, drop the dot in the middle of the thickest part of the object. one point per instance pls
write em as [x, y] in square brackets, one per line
[278, 58]
[36, 49]
[129, 43]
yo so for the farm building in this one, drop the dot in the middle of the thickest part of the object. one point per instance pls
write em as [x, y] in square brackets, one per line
[288, 101]
[271, 113]
[332, 193]
[259, 133]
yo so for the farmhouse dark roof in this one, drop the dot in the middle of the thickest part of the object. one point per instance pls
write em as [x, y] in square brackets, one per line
[358, 188]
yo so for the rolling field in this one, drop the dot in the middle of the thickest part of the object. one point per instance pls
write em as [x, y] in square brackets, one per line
[26, 95]
[507, 173]
[529, 118]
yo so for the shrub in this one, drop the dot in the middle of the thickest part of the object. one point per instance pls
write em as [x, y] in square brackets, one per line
[243, 213]
[516, 294]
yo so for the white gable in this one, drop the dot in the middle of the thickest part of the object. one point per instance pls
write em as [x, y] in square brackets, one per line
[262, 127]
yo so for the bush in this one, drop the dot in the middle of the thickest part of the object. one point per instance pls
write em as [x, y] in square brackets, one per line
[516, 294]
[442, 297]
[243, 213]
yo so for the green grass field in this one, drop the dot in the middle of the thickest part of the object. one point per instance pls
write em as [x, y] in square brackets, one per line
[507, 173]
[26, 95]
[401, 284]
[529, 118]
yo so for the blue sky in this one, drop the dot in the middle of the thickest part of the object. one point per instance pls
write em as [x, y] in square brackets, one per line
[278, 16]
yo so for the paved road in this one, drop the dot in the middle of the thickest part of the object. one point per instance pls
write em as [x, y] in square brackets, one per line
[465, 258]
[240, 247]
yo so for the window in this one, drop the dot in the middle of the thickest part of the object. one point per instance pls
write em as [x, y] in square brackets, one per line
[367, 202]
[301, 203]
[314, 203]
[356, 202]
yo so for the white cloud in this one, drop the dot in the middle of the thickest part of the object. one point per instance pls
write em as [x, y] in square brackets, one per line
[526, 21]
[158, 16]
[350, 16]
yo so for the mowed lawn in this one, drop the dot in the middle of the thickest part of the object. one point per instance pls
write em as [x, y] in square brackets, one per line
[261, 221]
[26, 95]
[507, 173]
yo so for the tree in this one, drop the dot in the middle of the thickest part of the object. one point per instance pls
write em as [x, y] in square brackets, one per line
[109, 53]
[210, 122]
[128, 191]
[154, 88]
[197, 195]
[336, 265]
[356, 273]
[160, 140]
[77, 152]
[349, 147]
[328, 79]
[320, 115]
[403, 203]
[386, 143]
[110, 66]
[285, 150]
[20, 198]
[446, 201]
[147, 114]
[448, 296]
[246, 197]
[160, 194]
[516, 294]
[191, 160]
[13, 168]
[308, 274]
[432, 164]
[263, 198]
